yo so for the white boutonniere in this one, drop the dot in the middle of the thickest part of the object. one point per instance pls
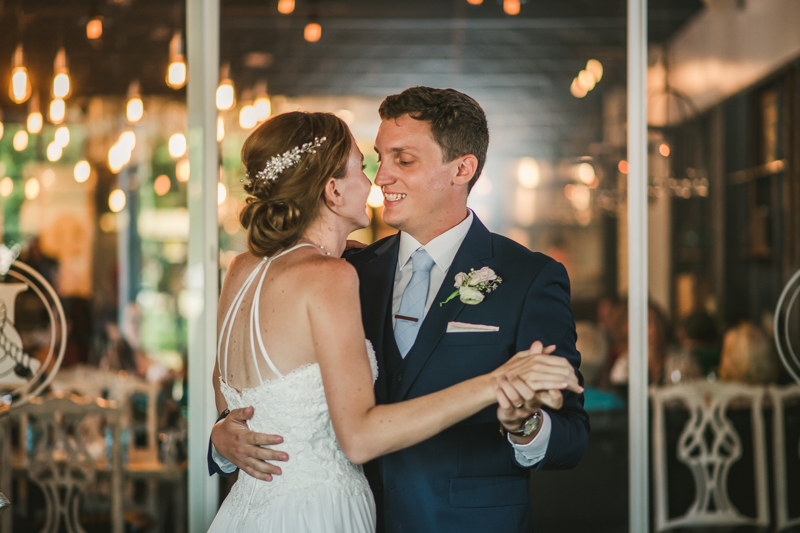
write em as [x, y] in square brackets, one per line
[473, 287]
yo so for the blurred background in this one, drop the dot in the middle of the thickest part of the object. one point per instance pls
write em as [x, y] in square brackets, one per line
[94, 172]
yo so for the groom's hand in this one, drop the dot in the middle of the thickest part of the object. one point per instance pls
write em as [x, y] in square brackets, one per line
[234, 441]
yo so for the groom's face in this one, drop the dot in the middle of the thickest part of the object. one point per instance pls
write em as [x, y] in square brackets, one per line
[417, 184]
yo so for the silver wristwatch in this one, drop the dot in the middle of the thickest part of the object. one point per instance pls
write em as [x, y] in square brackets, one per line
[529, 427]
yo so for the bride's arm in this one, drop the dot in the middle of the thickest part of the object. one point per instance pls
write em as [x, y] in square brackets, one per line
[366, 430]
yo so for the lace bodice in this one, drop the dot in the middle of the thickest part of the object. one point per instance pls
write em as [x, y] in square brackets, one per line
[294, 407]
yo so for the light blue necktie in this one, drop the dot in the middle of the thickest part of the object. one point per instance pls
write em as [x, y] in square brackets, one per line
[413, 303]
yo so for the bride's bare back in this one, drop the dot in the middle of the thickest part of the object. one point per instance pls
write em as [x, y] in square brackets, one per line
[283, 321]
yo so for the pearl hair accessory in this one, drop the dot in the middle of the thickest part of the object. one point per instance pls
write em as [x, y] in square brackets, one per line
[277, 164]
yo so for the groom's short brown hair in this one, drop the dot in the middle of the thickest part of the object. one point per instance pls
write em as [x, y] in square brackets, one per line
[458, 123]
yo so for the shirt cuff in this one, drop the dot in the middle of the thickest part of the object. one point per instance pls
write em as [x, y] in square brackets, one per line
[533, 452]
[223, 464]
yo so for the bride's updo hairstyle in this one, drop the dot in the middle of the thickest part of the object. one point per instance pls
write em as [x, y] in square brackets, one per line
[277, 212]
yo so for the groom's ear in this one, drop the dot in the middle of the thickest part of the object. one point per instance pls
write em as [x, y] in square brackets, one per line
[467, 165]
[333, 196]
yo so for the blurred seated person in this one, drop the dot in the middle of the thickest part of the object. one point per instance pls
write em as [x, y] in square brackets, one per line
[593, 347]
[658, 339]
[748, 356]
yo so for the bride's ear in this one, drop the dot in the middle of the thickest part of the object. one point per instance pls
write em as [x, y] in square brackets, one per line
[333, 195]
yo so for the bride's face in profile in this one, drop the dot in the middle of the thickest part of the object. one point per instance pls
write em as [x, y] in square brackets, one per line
[354, 187]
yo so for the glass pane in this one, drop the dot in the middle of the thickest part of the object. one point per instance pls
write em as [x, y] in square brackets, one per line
[93, 174]
[551, 79]
[724, 211]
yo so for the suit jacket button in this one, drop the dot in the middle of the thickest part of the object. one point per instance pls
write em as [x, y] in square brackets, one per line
[399, 377]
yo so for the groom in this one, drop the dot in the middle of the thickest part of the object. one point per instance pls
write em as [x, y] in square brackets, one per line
[432, 146]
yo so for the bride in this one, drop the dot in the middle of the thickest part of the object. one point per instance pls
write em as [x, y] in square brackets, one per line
[291, 340]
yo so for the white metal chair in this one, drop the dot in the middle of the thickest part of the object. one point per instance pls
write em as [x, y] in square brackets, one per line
[709, 462]
[779, 397]
[58, 460]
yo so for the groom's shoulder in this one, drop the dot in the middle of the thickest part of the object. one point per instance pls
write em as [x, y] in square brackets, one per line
[511, 252]
[357, 257]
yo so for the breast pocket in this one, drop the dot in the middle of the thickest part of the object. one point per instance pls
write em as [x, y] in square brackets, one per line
[478, 338]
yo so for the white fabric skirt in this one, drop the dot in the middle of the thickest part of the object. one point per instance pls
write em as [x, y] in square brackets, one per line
[319, 510]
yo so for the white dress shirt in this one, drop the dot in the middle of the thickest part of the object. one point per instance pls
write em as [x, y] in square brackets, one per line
[442, 250]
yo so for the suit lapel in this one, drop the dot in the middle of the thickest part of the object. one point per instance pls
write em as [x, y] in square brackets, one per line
[477, 246]
[377, 283]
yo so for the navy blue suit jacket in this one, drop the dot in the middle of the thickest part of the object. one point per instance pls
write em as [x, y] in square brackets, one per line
[466, 478]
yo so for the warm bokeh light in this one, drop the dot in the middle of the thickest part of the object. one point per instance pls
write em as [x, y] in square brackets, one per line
[586, 173]
[162, 185]
[20, 141]
[576, 89]
[134, 111]
[32, 188]
[20, 89]
[94, 28]
[118, 157]
[595, 68]
[6, 186]
[285, 6]
[177, 145]
[220, 128]
[128, 140]
[312, 32]
[61, 85]
[663, 149]
[58, 111]
[586, 80]
[475, 2]
[248, 117]
[375, 198]
[176, 74]
[263, 108]
[623, 166]
[82, 171]
[54, 151]
[511, 7]
[62, 136]
[117, 200]
[2, 130]
[528, 174]
[35, 122]
[225, 95]
[222, 193]
[182, 170]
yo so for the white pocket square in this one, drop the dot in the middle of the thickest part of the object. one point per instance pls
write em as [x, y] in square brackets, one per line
[463, 327]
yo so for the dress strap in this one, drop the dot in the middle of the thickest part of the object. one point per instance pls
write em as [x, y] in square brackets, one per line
[231, 315]
[255, 319]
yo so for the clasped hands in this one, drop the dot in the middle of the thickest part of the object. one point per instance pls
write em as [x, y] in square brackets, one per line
[528, 381]
[525, 385]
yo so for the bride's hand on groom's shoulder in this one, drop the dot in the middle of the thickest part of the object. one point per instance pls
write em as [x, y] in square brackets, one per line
[234, 441]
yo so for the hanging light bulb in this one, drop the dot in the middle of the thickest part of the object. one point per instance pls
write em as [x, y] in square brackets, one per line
[312, 32]
[220, 129]
[285, 6]
[177, 145]
[20, 88]
[127, 140]
[6, 186]
[2, 128]
[226, 97]
[54, 151]
[475, 2]
[162, 185]
[35, 119]
[511, 7]
[596, 68]
[222, 193]
[58, 111]
[176, 71]
[62, 136]
[94, 28]
[117, 200]
[135, 108]
[20, 141]
[61, 82]
[577, 89]
[82, 171]
[32, 189]
[262, 105]
[248, 117]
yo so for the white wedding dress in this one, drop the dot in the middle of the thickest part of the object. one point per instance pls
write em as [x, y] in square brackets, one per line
[319, 490]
